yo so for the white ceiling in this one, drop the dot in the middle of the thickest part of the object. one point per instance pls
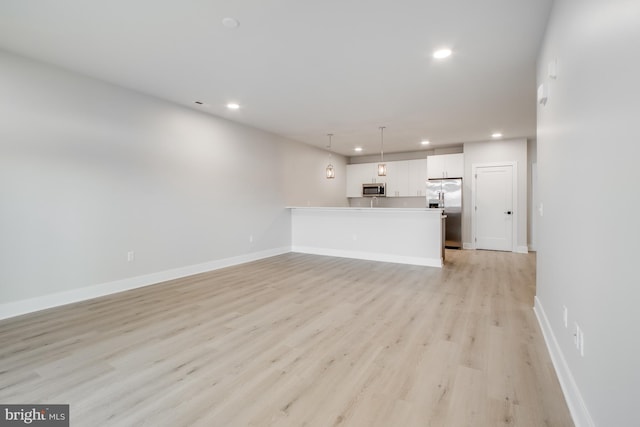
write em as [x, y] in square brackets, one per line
[303, 69]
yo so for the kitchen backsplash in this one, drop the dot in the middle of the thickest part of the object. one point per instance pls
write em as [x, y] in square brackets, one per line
[388, 202]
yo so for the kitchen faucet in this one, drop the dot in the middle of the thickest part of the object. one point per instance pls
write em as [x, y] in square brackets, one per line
[372, 199]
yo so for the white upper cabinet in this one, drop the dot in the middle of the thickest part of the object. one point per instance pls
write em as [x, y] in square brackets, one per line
[417, 177]
[454, 165]
[435, 167]
[445, 166]
[359, 174]
[405, 178]
[397, 179]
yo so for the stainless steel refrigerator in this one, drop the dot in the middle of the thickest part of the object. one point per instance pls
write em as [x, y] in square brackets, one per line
[447, 194]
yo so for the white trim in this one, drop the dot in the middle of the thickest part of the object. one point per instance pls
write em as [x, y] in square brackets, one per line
[514, 209]
[371, 256]
[468, 246]
[522, 249]
[17, 308]
[575, 402]
[532, 211]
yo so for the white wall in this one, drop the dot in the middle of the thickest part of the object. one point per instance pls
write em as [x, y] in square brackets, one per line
[303, 178]
[588, 151]
[90, 171]
[514, 150]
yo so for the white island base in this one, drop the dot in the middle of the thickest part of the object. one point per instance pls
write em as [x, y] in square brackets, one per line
[406, 236]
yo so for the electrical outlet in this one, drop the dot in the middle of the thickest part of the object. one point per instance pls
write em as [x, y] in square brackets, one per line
[130, 256]
[565, 316]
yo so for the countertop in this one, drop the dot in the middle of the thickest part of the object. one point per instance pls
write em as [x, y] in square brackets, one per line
[381, 209]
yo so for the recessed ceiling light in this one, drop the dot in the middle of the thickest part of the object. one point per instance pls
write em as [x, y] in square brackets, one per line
[425, 142]
[442, 53]
[358, 149]
[233, 106]
[496, 135]
[230, 22]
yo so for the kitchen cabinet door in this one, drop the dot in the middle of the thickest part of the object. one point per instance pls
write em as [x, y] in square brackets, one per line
[454, 165]
[445, 166]
[417, 175]
[435, 167]
[397, 179]
[359, 174]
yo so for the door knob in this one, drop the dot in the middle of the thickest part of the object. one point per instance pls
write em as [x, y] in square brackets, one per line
[508, 212]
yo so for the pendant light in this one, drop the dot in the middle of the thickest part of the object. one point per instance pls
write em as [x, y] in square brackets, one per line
[330, 171]
[382, 167]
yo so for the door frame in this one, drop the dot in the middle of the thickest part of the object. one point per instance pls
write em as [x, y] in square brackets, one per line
[531, 209]
[514, 195]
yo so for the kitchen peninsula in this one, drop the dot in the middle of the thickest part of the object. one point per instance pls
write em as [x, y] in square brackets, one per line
[400, 235]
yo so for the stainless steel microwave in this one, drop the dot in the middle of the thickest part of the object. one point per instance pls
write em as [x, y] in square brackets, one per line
[374, 190]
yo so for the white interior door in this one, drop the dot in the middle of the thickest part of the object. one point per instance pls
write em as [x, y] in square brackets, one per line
[494, 208]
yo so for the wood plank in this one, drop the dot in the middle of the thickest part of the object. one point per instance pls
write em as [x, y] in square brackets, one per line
[298, 340]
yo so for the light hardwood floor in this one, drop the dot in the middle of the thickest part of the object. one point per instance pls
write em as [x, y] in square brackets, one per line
[298, 340]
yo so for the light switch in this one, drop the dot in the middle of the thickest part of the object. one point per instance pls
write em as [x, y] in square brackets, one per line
[542, 94]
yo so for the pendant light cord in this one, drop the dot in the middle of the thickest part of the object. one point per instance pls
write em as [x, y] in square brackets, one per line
[330, 172]
[382, 143]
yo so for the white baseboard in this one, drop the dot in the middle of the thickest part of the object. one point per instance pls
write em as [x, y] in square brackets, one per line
[17, 308]
[577, 407]
[518, 249]
[371, 256]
